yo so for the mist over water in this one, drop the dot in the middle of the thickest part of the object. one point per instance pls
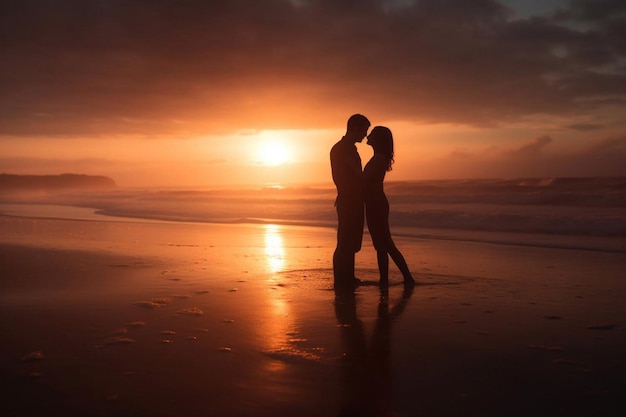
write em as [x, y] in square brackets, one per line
[554, 206]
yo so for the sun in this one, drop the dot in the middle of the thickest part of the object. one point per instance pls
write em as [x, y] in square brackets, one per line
[273, 150]
[273, 153]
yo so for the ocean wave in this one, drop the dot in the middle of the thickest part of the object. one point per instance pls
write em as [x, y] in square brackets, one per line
[559, 206]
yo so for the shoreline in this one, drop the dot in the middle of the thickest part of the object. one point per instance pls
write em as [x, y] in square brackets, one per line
[613, 244]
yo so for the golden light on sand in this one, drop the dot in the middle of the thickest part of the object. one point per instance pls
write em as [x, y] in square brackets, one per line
[274, 249]
[273, 148]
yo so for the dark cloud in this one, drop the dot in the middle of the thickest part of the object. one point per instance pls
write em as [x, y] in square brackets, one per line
[594, 10]
[85, 67]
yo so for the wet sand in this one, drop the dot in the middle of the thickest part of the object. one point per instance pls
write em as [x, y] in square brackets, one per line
[171, 319]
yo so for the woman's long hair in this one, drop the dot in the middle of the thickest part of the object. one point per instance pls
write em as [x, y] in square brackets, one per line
[383, 142]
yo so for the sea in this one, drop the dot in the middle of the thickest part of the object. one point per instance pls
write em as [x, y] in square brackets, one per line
[583, 213]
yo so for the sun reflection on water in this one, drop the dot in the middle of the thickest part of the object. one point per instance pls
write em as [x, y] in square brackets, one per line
[274, 248]
[279, 328]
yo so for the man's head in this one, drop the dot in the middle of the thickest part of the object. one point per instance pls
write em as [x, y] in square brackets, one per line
[358, 126]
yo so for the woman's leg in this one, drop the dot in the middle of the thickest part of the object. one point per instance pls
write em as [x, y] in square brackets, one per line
[383, 266]
[399, 260]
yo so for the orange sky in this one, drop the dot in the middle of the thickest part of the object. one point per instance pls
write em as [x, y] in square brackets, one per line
[193, 93]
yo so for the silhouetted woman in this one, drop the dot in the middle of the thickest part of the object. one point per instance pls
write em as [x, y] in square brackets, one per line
[377, 206]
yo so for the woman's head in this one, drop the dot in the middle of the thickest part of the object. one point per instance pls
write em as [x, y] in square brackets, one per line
[381, 139]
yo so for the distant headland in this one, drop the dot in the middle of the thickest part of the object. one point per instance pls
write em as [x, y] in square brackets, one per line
[11, 182]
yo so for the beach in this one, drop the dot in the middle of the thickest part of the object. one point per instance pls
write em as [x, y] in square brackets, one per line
[176, 178]
[110, 316]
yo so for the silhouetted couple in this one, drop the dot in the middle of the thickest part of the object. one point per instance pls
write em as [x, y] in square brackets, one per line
[361, 192]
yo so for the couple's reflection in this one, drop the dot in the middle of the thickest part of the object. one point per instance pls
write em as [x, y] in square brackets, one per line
[367, 385]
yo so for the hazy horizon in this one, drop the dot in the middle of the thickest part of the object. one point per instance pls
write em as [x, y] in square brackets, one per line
[310, 184]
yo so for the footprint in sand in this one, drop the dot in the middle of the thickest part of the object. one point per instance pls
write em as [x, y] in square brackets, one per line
[193, 311]
[119, 336]
[117, 340]
[119, 332]
[154, 303]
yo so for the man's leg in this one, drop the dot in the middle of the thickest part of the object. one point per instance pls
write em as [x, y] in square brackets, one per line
[349, 237]
[350, 267]
[342, 267]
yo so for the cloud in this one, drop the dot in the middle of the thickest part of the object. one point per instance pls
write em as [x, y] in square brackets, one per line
[534, 148]
[583, 127]
[604, 157]
[608, 145]
[162, 67]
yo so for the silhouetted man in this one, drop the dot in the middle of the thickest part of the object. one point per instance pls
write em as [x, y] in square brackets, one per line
[347, 173]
